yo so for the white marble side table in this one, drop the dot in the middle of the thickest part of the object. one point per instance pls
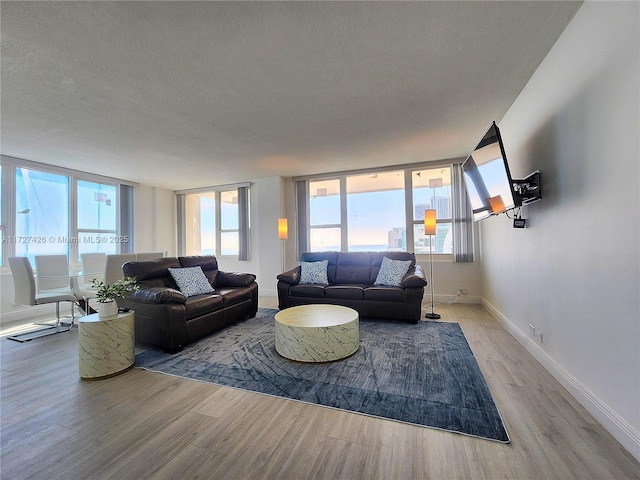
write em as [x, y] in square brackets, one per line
[317, 333]
[106, 345]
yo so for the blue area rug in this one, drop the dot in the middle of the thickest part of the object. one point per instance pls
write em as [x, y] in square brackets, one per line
[422, 374]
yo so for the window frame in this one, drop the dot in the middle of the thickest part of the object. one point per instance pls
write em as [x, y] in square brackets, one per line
[217, 191]
[342, 213]
[221, 230]
[410, 222]
[113, 235]
[8, 211]
[439, 220]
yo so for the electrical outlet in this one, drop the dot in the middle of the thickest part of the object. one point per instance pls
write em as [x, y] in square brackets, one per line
[539, 336]
[532, 331]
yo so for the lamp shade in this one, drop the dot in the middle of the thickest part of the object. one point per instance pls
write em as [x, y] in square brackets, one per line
[283, 229]
[497, 204]
[430, 222]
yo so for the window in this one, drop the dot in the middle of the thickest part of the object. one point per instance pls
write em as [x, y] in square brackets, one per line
[324, 216]
[41, 213]
[229, 215]
[432, 191]
[378, 211]
[200, 228]
[96, 214]
[214, 222]
[52, 210]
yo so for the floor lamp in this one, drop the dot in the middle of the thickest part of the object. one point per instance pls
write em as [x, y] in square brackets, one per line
[283, 234]
[430, 229]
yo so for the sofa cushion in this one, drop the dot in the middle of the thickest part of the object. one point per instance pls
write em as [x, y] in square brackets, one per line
[355, 292]
[158, 295]
[307, 290]
[331, 257]
[202, 304]
[208, 263]
[377, 257]
[234, 279]
[232, 296]
[292, 277]
[385, 294]
[392, 272]
[191, 281]
[353, 268]
[152, 273]
[314, 272]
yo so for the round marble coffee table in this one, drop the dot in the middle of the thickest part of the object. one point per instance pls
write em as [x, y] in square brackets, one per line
[317, 333]
[106, 345]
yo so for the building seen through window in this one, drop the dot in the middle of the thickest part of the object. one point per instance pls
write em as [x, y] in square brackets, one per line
[368, 212]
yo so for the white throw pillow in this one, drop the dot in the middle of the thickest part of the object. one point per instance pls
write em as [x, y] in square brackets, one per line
[392, 271]
[191, 281]
[314, 272]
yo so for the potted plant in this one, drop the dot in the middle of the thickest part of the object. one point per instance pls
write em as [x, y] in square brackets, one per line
[106, 294]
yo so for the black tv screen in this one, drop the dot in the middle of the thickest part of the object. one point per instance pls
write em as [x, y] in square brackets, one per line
[487, 177]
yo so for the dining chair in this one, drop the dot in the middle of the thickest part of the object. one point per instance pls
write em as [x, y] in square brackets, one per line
[141, 257]
[113, 266]
[93, 266]
[52, 276]
[52, 273]
[24, 285]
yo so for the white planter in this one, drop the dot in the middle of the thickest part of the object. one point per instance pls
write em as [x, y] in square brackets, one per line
[108, 309]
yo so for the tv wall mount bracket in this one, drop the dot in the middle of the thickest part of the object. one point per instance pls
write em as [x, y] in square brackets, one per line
[529, 189]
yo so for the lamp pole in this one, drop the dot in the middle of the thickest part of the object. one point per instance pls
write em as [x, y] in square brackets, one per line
[430, 229]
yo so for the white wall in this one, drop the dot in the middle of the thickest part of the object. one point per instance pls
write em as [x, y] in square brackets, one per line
[448, 277]
[155, 220]
[574, 272]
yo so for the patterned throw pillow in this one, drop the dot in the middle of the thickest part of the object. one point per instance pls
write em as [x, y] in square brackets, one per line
[392, 271]
[314, 272]
[191, 281]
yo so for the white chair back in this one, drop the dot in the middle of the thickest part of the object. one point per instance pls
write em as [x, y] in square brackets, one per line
[93, 266]
[24, 283]
[144, 256]
[52, 272]
[113, 269]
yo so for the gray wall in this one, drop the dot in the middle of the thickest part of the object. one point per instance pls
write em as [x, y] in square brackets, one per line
[574, 272]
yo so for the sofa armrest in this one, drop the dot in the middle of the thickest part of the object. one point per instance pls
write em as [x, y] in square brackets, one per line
[233, 279]
[157, 295]
[414, 278]
[292, 277]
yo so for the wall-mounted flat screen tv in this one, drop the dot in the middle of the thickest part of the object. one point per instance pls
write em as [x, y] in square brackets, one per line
[487, 177]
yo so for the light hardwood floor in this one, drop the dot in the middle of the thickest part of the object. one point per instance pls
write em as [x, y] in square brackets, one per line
[142, 425]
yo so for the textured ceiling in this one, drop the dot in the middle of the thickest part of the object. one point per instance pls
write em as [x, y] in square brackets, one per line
[189, 94]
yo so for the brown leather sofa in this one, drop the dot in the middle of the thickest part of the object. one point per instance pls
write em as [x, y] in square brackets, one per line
[351, 279]
[164, 317]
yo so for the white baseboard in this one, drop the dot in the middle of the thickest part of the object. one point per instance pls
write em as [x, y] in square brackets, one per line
[617, 426]
[453, 298]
